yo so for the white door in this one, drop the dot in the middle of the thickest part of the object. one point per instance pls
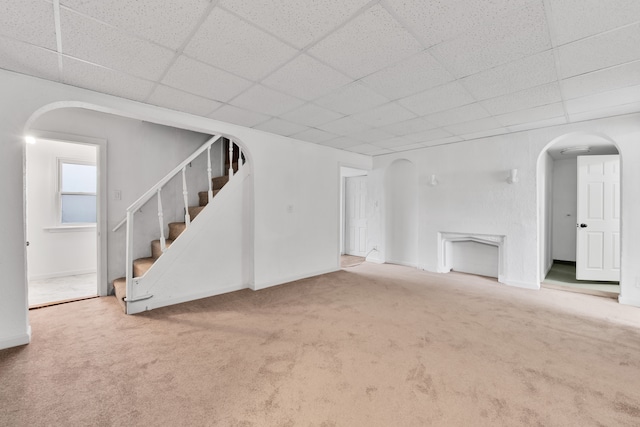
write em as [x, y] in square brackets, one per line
[598, 234]
[355, 242]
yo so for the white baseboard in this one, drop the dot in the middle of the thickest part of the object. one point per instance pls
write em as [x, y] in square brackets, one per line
[150, 304]
[282, 281]
[17, 340]
[62, 274]
[523, 285]
[406, 264]
[629, 301]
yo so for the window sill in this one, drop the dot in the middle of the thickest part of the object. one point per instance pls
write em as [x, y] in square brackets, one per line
[70, 228]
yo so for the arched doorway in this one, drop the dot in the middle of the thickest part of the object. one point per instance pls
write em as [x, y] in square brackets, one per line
[401, 200]
[563, 245]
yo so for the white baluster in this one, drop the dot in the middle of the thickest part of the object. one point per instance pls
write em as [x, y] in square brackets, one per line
[185, 195]
[230, 159]
[129, 256]
[239, 158]
[163, 242]
[210, 193]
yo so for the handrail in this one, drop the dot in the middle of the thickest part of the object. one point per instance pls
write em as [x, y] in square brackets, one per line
[153, 190]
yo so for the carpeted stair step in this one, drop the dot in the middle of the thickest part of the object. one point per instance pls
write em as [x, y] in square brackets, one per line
[142, 265]
[120, 288]
[204, 197]
[175, 229]
[219, 181]
[194, 211]
[156, 251]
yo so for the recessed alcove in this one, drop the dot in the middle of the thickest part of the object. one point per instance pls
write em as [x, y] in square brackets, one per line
[481, 254]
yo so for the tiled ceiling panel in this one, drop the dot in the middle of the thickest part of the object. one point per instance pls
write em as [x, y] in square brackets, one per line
[576, 19]
[200, 79]
[415, 74]
[368, 43]
[601, 51]
[166, 22]
[513, 36]
[89, 40]
[370, 76]
[306, 78]
[28, 59]
[299, 22]
[437, 21]
[28, 20]
[227, 42]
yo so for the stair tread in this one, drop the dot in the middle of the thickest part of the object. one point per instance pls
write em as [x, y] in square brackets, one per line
[155, 247]
[175, 229]
[142, 265]
[120, 291]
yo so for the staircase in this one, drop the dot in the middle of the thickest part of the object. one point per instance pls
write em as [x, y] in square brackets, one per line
[142, 265]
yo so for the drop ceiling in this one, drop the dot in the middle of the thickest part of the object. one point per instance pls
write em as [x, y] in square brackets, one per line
[372, 77]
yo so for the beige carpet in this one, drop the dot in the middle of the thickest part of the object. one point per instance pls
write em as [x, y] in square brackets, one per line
[374, 345]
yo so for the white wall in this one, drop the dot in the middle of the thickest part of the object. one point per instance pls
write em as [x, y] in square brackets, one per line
[55, 251]
[545, 212]
[401, 196]
[565, 202]
[475, 258]
[286, 246]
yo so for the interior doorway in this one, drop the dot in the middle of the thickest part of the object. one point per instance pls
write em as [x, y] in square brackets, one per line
[353, 216]
[61, 197]
[569, 206]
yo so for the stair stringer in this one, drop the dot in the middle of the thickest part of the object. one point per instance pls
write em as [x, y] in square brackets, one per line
[205, 260]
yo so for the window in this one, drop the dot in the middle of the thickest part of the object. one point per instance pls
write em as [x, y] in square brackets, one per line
[77, 183]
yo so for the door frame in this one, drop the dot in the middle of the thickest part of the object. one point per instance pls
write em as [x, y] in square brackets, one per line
[101, 197]
[345, 171]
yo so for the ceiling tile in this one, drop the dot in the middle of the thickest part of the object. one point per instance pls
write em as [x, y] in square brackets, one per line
[367, 44]
[30, 21]
[513, 36]
[537, 125]
[462, 114]
[365, 149]
[445, 97]
[484, 133]
[601, 51]
[408, 147]
[535, 114]
[416, 125]
[416, 74]
[267, 101]
[344, 126]
[299, 22]
[28, 59]
[603, 100]
[393, 142]
[428, 135]
[474, 126]
[168, 97]
[384, 115]
[528, 98]
[601, 81]
[534, 70]
[314, 135]
[238, 116]
[442, 141]
[86, 39]
[371, 135]
[577, 19]
[437, 21]
[342, 142]
[198, 78]
[105, 80]
[311, 115]
[163, 21]
[280, 127]
[306, 78]
[229, 43]
[606, 112]
[351, 99]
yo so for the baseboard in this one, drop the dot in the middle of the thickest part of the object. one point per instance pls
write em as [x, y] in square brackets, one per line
[62, 274]
[523, 285]
[629, 301]
[406, 264]
[289, 279]
[17, 340]
[374, 260]
[150, 304]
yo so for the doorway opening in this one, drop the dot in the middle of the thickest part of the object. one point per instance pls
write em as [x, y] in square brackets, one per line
[579, 190]
[353, 216]
[61, 196]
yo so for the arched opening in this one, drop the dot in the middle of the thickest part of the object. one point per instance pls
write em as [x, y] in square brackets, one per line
[572, 203]
[401, 201]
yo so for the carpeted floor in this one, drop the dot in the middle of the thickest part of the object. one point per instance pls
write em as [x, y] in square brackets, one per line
[374, 345]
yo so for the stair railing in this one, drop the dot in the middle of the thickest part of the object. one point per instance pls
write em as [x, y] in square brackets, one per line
[156, 190]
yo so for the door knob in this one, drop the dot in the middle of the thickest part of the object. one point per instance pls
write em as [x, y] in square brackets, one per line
[583, 225]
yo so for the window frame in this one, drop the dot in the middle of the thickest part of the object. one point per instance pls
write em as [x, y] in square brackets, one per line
[59, 193]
